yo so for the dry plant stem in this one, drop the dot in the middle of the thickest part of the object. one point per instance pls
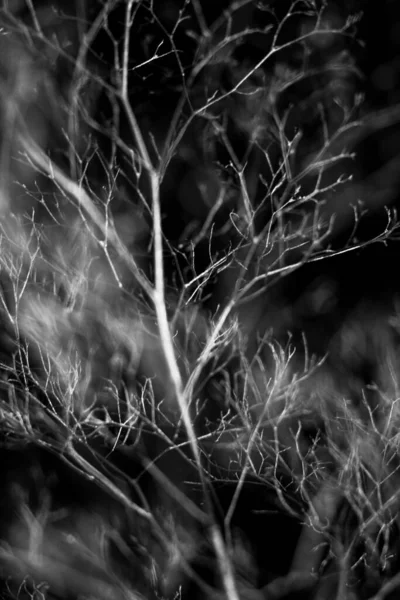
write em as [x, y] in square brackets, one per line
[218, 330]
[158, 292]
[95, 475]
[209, 347]
[188, 505]
[169, 354]
[35, 20]
[158, 297]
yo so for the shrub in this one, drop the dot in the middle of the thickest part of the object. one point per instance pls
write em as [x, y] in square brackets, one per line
[166, 171]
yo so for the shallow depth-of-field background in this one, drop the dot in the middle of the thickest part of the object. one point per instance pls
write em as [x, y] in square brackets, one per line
[199, 300]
